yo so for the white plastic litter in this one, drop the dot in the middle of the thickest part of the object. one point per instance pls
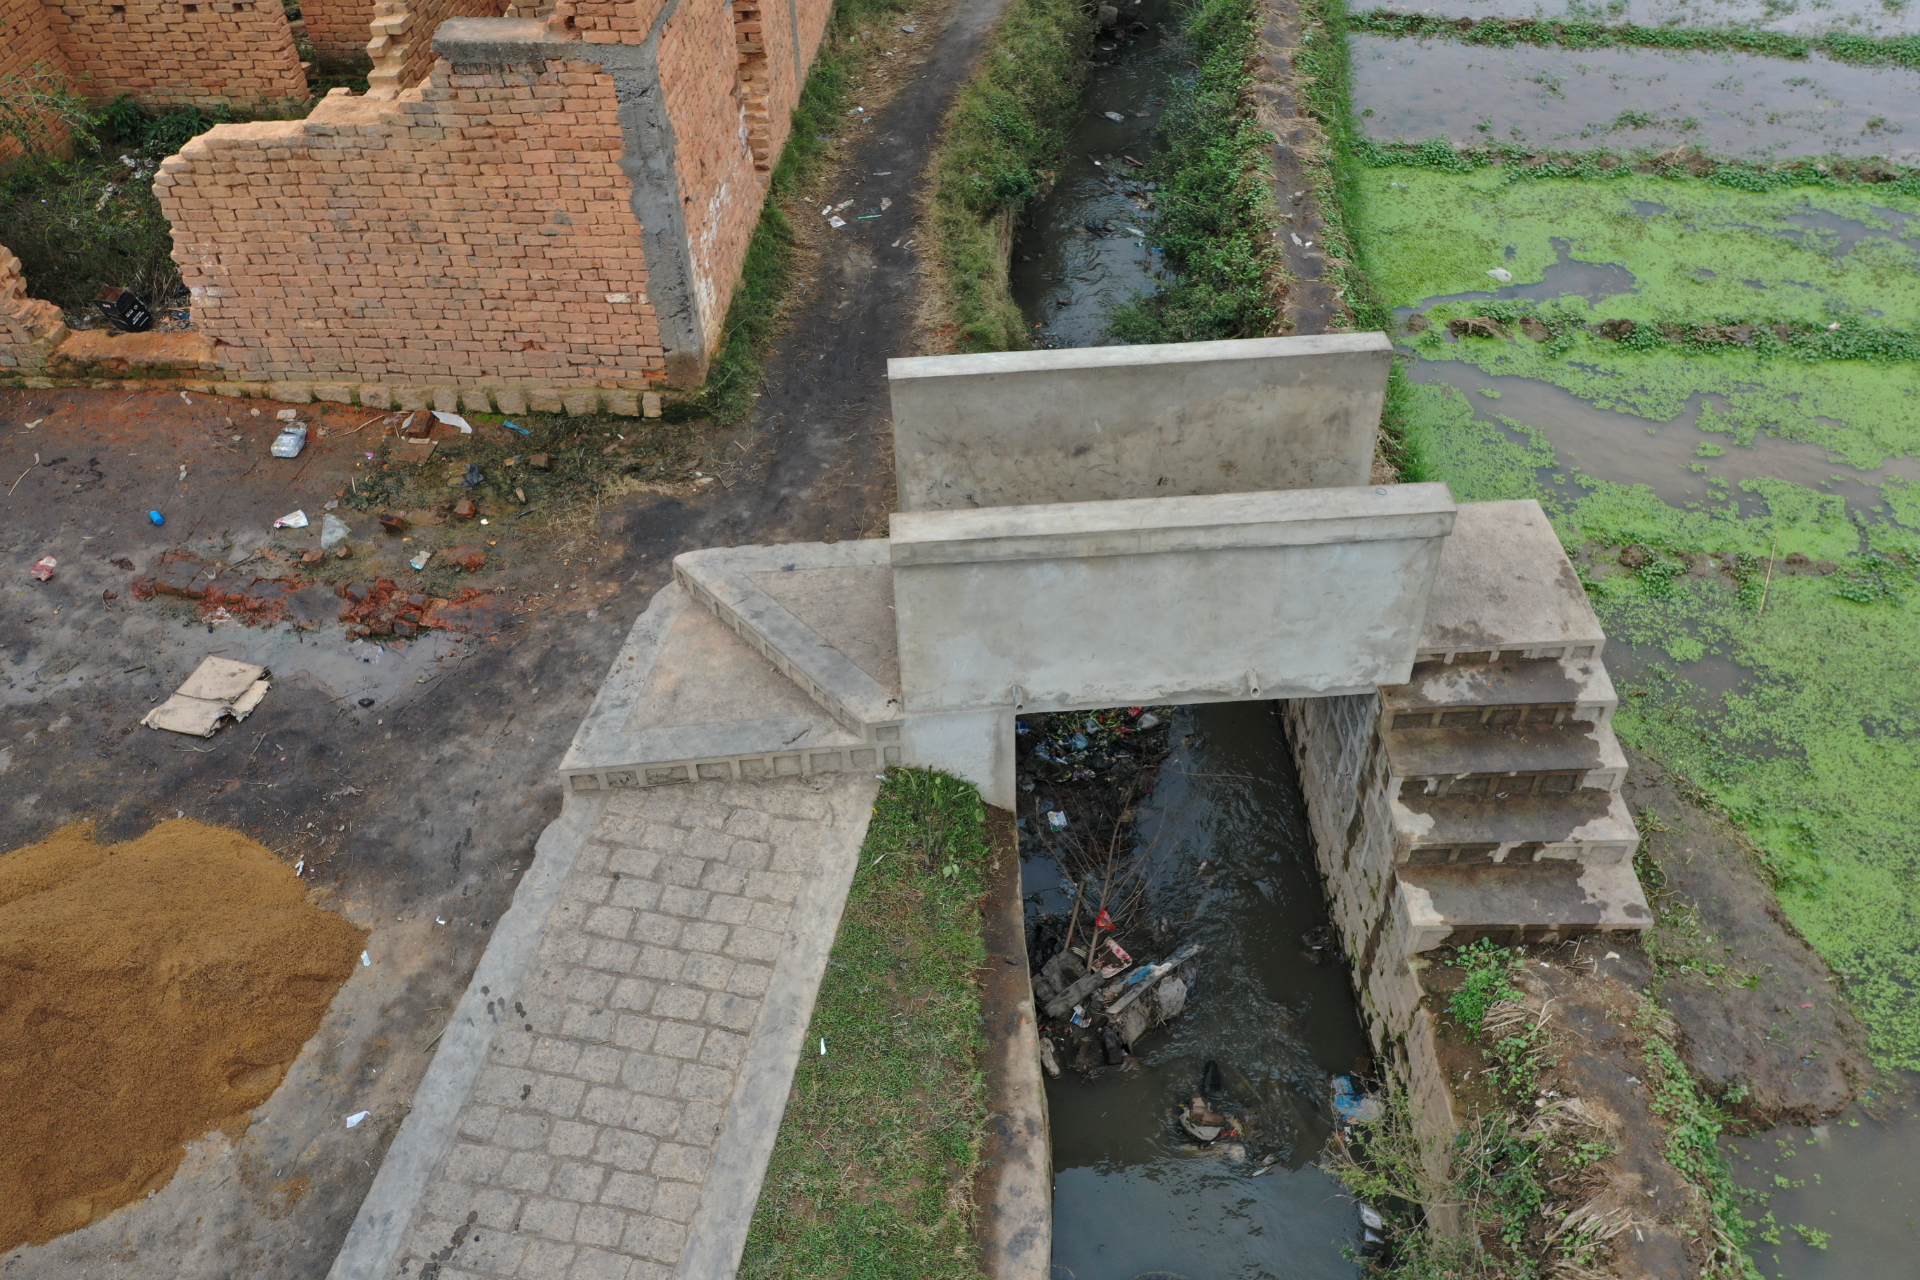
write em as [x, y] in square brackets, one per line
[1501, 274]
[291, 440]
[455, 420]
[1057, 819]
[420, 561]
[357, 1117]
[365, 963]
[292, 520]
[333, 531]
[836, 221]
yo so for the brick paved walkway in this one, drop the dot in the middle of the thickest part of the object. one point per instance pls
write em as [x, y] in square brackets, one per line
[620, 1126]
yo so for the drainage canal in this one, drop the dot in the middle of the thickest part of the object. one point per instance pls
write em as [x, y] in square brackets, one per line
[1215, 853]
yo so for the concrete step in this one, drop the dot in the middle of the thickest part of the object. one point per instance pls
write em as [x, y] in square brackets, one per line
[1500, 692]
[822, 613]
[1546, 901]
[1581, 826]
[1503, 763]
[1506, 587]
[688, 699]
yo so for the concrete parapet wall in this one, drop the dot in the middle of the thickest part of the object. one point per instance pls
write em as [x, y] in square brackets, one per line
[1200, 599]
[1101, 423]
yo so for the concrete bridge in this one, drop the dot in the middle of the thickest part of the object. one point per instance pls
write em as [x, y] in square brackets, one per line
[1077, 529]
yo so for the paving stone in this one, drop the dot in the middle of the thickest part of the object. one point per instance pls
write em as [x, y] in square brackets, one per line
[584, 1149]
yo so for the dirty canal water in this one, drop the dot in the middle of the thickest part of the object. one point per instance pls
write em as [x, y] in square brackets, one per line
[1082, 248]
[1234, 872]
[1710, 378]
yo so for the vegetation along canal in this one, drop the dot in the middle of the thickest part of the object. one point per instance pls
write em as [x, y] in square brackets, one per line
[1665, 281]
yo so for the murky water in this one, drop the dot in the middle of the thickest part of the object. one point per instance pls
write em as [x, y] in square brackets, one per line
[1802, 17]
[1625, 99]
[1083, 247]
[1236, 874]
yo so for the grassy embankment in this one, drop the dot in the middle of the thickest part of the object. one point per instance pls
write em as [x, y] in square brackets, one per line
[871, 1174]
[996, 152]
[1214, 217]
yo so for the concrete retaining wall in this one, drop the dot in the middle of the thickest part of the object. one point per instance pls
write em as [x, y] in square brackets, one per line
[1099, 423]
[1201, 599]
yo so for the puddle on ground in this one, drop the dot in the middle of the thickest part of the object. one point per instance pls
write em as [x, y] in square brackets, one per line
[1627, 99]
[1802, 17]
[1853, 1180]
[1129, 1196]
[342, 669]
[1083, 249]
[1628, 449]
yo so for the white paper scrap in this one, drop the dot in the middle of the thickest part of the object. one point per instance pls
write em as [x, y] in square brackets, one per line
[454, 420]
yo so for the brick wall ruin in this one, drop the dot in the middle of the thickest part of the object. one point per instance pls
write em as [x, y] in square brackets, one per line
[162, 52]
[399, 39]
[30, 329]
[561, 205]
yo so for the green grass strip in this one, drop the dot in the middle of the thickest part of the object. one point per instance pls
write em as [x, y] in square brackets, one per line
[1007, 128]
[1872, 51]
[766, 273]
[1214, 217]
[871, 1174]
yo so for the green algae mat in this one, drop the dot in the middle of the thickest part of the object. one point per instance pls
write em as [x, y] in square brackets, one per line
[1713, 386]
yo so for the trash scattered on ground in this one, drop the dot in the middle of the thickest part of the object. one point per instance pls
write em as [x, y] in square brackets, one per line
[354, 1119]
[365, 961]
[292, 520]
[514, 426]
[1114, 116]
[454, 420]
[1057, 820]
[333, 532]
[1501, 274]
[125, 309]
[539, 461]
[219, 688]
[473, 477]
[291, 440]
[836, 221]
[156, 517]
[1354, 1106]
[43, 568]
[420, 561]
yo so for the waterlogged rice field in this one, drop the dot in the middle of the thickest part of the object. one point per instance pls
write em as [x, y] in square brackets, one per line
[1710, 378]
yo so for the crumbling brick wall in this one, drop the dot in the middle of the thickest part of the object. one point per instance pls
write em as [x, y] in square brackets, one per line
[477, 229]
[30, 328]
[400, 38]
[168, 52]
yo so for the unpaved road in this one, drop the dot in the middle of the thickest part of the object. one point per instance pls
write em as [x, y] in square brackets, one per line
[415, 815]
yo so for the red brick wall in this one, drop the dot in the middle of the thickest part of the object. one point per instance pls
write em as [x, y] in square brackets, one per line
[338, 29]
[29, 328]
[27, 40]
[206, 52]
[400, 39]
[477, 229]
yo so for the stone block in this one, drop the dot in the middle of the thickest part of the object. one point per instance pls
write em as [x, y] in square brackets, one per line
[445, 399]
[413, 399]
[1232, 597]
[650, 404]
[334, 392]
[1100, 423]
[291, 392]
[626, 404]
[475, 400]
[545, 400]
[507, 400]
[374, 395]
[581, 403]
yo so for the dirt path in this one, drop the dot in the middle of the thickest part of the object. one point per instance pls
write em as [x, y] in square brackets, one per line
[1311, 302]
[822, 465]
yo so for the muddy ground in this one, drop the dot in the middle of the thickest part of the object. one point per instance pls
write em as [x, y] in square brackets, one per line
[423, 807]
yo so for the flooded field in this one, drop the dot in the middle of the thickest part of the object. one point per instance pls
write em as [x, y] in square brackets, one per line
[1235, 873]
[1714, 388]
[1799, 17]
[1731, 104]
